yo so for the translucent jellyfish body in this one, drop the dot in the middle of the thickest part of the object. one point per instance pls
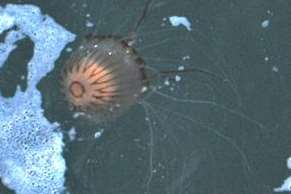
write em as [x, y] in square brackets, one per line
[103, 78]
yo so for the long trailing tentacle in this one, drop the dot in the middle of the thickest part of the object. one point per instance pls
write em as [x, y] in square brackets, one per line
[143, 15]
[131, 38]
[162, 73]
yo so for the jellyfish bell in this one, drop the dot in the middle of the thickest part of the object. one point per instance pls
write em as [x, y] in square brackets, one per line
[103, 78]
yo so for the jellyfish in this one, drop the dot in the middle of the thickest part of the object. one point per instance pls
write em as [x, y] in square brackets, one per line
[106, 76]
[103, 77]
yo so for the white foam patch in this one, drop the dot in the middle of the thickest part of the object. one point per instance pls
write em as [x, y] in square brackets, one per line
[178, 78]
[181, 68]
[89, 24]
[6, 22]
[72, 134]
[98, 134]
[31, 159]
[286, 186]
[275, 69]
[180, 20]
[166, 82]
[265, 23]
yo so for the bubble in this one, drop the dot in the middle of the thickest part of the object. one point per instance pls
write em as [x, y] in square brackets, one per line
[265, 23]
[180, 20]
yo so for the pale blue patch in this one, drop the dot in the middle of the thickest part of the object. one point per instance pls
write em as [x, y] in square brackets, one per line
[180, 20]
[6, 21]
[31, 159]
[89, 24]
[265, 23]
[286, 186]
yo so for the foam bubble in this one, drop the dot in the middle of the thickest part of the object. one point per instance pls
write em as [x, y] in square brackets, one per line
[7, 21]
[31, 159]
[98, 134]
[178, 78]
[286, 186]
[265, 23]
[180, 20]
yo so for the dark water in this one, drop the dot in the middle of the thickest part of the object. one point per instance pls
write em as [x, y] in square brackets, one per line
[204, 134]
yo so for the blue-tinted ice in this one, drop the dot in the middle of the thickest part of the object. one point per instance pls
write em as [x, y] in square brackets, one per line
[31, 159]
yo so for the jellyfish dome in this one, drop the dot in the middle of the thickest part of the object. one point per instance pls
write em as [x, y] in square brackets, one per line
[103, 77]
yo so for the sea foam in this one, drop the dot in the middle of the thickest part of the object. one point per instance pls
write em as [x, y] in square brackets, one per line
[31, 159]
